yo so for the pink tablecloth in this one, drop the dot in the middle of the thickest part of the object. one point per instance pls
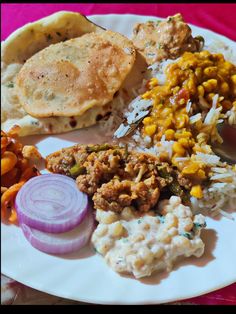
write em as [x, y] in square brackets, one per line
[217, 17]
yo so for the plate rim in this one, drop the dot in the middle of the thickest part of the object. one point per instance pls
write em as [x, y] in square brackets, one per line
[94, 301]
[162, 18]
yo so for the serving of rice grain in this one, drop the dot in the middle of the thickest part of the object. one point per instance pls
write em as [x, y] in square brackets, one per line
[219, 194]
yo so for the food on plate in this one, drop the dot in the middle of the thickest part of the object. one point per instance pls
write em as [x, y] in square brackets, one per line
[56, 218]
[152, 183]
[68, 78]
[61, 243]
[138, 232]
[55, 204]
[141, 244]
[16, 169]
[115, 177]
[26, 42]
[167, 39]
[181, 124]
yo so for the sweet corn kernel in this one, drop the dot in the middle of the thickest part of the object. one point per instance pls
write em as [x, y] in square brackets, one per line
[210, 85]
[191, 169]
[180, 242]
[191, 83]
[173, 231]
[171, 221]
[153, 82]
[168, 122]
[138, 237]
[150, 129]
[210, 71]
[178, 149]
[157, 251]
[147, 120]
[191, 142]
[106, 217]
[233, 78]
[227, 65]
[198, 73]
[146, 255]
[117, 229]
[147, 95]
[163, 237]
[210, 97]
[224, 87]
[165, 112]
[184, 134]
[201, 90]
[204, 54]
[182, 101]
[138, 263]
[184, 142]
[196, 191]
[201, 174]
[169, 134]
[101, 230]
[186, 224]
[176, 89]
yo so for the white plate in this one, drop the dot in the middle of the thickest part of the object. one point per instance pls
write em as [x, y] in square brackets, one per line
[84, 276]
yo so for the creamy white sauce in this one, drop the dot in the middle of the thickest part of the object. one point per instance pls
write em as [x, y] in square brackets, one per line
[142, 245]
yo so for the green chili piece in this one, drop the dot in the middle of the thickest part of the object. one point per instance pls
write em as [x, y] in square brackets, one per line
[175, 188]
[77, 170]
[97, 148]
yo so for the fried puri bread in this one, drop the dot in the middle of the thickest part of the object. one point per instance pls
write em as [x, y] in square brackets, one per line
[68, 78]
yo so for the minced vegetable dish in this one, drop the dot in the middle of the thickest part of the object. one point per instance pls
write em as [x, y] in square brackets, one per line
[115, 177]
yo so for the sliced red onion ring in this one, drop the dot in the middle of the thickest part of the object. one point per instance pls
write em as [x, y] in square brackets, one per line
[61, 243]
[51, 203]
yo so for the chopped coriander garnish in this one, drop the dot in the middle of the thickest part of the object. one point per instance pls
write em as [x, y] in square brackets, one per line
[197, 225]
[161, 218]
[125, 240]
[96, 251]
[139, 221]
[188, 235]
[10, 85]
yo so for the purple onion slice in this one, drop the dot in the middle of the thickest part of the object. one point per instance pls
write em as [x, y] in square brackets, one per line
[51, 203]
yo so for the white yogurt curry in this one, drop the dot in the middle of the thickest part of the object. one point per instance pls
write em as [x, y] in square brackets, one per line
[140, 245]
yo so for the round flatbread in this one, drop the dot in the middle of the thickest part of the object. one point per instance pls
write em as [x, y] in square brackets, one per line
[29, 40]
[68, 78]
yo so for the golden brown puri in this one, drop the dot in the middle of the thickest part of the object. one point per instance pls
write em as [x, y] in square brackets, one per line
[68, 78]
